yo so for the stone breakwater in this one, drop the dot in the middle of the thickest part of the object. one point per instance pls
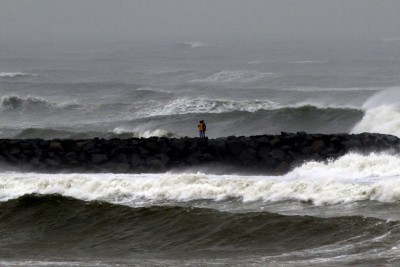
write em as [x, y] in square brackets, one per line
[267, 154]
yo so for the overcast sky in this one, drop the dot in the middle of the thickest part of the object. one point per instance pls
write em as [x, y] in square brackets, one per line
[201, 20]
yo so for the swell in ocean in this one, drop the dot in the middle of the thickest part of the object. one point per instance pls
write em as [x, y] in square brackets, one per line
[109, 232]
[172, 119]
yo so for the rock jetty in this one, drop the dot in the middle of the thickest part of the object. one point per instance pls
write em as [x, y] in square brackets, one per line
[263, 154]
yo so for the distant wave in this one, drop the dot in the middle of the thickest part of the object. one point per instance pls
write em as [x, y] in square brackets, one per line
[328, 89]
[11, 102]
[307, 62]
[234, 76]
[48, 133]
[204, 105]
[14, 74]
[193, 44]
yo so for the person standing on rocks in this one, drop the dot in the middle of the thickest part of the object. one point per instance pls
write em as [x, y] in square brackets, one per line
[202, 129]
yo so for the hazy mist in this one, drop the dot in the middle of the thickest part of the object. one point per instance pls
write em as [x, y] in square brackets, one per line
[170, 20]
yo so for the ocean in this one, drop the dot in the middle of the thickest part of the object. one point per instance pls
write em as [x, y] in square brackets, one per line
[343, 212]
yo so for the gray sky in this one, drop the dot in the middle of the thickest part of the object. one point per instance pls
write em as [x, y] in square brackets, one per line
[201, 20]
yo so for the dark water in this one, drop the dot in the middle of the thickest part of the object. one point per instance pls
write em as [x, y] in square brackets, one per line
[51, 227]
[341, 213]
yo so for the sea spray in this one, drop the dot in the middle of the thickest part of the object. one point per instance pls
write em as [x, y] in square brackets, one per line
[382, 114]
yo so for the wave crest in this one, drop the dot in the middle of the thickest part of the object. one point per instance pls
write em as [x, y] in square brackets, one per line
[382, 114]
[12, 102]
[204, 105]
[14, 74]
[349, 179]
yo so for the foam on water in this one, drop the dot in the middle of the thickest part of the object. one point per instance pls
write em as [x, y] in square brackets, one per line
[144, 133]
[204, 105]
[193, 44]
[350, 178]
[234, 76]
[14, 74]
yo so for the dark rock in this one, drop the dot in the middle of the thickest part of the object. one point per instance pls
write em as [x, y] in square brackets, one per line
[151, 145]
[51, 162]
[121, 158]
[282, 167]
[274, 142]
[122, 167]
[217, 145]
[136, 160]
[248, 156]
[55, 146]
[144, 152]
[277, 154]
[235, 147]
[164, 158]
[307, 150]
[263, 152]
[14, 151]
[317, 145]
[99, 158]
[70, 156]
[157, 165]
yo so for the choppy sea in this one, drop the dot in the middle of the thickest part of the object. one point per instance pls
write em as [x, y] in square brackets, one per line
[340, 213]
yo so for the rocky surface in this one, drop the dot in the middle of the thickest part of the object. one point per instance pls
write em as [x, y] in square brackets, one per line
[266, 154]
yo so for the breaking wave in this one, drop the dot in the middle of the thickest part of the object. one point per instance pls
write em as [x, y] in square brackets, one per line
[13, 102]
[203, 105]
[382, 114]
[144, 133]
[351, 178]
[234, 76]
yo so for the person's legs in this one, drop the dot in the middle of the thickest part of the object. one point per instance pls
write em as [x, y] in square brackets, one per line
[200, 133]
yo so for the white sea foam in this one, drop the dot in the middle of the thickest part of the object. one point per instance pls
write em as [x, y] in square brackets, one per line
[382, 113]
[307, 62]
[144, 133]
[328, 89]
[203, 105]
[234, 76]
[14, 74]
[193, 44]
[350, 178]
